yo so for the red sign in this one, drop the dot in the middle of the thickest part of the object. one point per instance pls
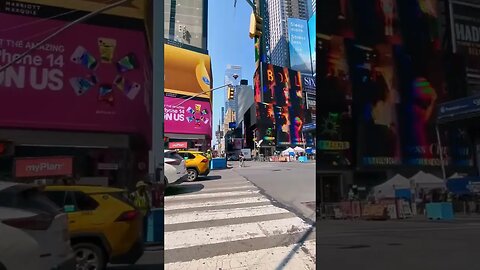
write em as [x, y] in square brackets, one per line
[177, 145]
[43, 166]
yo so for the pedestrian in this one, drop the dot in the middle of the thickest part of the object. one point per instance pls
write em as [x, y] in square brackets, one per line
[141, 200]
[241, 157]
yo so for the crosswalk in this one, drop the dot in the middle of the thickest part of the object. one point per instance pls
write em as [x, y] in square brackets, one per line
[228, 224]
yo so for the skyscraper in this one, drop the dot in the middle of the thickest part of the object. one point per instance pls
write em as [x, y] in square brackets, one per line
[229, 79]
[279, 11]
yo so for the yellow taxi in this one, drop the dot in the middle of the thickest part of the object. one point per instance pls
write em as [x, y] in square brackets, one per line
[104, 225]
[196, 162]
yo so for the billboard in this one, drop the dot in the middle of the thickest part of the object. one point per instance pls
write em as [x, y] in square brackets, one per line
[187, 72]
[131, 9]
[334, 95]
[299, 46]
[99, 81]
[336, 18]
[188, 117]
[312, 37]
[283, 90]
[265, 123]
[376, 95]
[466, 34]
[376, 21]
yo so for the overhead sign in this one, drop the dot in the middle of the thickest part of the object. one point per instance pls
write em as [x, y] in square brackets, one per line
[465, 27]
[43, 166]
[177, 145]
[459, 108]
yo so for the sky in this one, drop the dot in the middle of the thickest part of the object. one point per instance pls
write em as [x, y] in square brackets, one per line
[228, 43]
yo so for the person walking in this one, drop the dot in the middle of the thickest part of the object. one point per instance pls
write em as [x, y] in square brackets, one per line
[241, 159]
[142, 201]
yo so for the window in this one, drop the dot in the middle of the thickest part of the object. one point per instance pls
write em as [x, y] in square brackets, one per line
[191, 156]
[85, 202]
[26, 198]
[58, 197]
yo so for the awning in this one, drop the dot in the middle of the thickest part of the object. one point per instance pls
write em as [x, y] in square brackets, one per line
[459, 110]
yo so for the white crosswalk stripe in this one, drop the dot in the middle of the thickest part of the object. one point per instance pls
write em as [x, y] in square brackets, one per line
[233, 226]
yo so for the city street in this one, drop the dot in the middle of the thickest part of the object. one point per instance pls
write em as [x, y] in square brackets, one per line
[225, 222]
[278, 179]
[397, 245]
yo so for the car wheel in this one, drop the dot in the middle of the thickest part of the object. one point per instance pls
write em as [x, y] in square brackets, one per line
[89, 257]
[192, 174]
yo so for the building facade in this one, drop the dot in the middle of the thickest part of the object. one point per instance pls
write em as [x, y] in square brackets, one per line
[230, 72]
[380, 83]
[187, 73]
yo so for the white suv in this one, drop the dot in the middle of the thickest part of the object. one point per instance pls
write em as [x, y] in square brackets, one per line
[34, 232]
[173, 159]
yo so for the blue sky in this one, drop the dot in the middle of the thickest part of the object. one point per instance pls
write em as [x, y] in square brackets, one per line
[228, 43]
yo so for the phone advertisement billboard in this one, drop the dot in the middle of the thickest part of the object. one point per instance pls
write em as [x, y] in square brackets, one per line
[89, 78]
[192, 116]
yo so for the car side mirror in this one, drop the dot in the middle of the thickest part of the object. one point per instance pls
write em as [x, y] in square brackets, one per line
[69, 208]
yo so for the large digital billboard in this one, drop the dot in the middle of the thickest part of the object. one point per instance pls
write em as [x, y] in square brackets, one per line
[299, 45]
[312, 34]
[334, 108]
[192, 116]
[95, 82]
[376, 97]
[280, 105]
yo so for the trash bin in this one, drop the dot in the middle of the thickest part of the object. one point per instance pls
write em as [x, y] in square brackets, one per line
[155, 226]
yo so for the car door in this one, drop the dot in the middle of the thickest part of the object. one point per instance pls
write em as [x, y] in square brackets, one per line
[83, 216]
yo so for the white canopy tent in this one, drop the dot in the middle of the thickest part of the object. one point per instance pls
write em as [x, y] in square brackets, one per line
[287, 151]
[427, 180]
[298, 149]
[387, 189]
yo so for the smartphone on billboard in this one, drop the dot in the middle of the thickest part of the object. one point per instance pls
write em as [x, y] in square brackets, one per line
[105, 94]
[127, 63]
[106, 47]
[131, 89]
[80, 85]
[82, 57]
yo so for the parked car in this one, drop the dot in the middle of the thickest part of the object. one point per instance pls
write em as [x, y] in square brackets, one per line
[33, 231]
[175, 160]
[104, 225]
[197, 164]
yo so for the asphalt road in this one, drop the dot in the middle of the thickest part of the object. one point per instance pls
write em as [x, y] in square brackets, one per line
[412, 244]
[291, 184]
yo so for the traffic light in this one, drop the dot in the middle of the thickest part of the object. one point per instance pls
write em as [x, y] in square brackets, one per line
[231, 93]
[256, 25]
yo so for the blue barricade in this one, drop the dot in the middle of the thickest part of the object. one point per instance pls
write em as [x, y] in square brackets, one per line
[442, 211]
[155, 226]
[218, 164]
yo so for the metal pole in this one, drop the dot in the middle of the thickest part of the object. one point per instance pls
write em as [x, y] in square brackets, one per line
[79, 20]
[198, 94]
[442, 162]
[158, 91]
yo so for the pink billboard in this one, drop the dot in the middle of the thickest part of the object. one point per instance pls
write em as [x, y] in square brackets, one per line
[189, 117]
[88, 78]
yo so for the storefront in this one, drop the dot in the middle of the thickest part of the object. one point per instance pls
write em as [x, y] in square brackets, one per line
[85, 94]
